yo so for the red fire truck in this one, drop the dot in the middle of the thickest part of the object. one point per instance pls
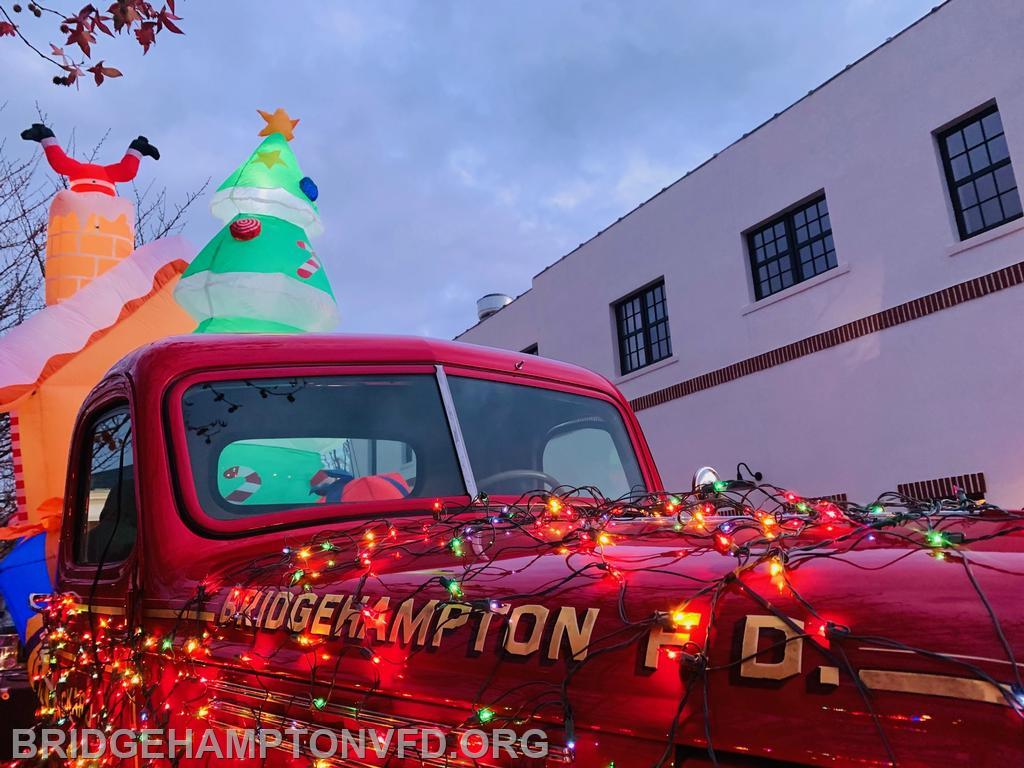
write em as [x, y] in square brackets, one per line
[331, 536]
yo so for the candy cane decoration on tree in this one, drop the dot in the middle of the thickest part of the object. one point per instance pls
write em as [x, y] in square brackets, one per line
[245, 491]
[311, 265]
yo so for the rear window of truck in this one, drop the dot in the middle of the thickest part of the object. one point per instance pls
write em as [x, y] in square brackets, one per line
[265, 445]
[526, 438]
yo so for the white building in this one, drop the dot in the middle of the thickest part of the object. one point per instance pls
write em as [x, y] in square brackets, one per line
[876, 345]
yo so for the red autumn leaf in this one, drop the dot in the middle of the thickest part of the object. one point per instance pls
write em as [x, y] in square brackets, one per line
[6, 28]
[123, 15]
[146, 35]
[165, 19]
[81, 37]
[99, 72]
[98, 24]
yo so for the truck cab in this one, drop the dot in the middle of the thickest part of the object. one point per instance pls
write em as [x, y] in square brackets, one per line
[342, 534]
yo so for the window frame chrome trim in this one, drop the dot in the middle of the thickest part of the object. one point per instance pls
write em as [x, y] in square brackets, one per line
[456, 431]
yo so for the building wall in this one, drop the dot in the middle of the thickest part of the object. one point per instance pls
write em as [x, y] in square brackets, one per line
[931, 397]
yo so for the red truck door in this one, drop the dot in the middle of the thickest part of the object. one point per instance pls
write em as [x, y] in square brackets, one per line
[97, 562]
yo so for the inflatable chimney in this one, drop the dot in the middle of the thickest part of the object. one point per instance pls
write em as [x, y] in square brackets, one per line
[88, 233]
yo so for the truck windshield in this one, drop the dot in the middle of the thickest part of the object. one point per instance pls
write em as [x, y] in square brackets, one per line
[264, 445]
[524, 438]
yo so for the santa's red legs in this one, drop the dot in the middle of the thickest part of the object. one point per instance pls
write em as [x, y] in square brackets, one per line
[91, 177]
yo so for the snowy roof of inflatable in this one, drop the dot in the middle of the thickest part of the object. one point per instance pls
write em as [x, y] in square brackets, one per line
[47, 340]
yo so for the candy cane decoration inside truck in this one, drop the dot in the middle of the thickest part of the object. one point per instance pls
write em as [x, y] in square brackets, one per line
[252, 483]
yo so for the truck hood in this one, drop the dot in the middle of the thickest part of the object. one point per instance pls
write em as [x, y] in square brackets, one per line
[629, 636]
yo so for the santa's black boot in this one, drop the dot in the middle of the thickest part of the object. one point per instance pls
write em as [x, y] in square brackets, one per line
[37, 132]
[143, 147]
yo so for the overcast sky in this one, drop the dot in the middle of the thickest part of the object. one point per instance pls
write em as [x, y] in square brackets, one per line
[459, 147]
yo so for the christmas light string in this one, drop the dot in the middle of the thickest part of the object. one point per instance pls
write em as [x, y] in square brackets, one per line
[760, 528]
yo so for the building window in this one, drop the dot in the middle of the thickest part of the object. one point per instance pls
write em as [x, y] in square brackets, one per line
[533, 349]
[979, 173]
[642, 323]
[792, 248]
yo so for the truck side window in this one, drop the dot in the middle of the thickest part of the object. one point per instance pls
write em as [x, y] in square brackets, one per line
[106, 513]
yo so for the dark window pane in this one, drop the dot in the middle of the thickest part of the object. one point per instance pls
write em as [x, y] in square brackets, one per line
[967, 195]
[992, 212]
[972, 219]
[979, 158]
[997, 149]
[775, 284]
[955, 143]
[1011, 204]
[780, 229]
[787, 279]
[985, 186]
[1004, 178]
[961, 168]
[800, 219]
[992, 125]
[973, 135]
[758, 239]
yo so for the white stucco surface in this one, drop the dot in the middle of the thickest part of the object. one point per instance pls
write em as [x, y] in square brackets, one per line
[933, 397]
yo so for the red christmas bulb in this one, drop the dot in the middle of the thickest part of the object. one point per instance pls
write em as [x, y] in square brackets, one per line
[245, 229]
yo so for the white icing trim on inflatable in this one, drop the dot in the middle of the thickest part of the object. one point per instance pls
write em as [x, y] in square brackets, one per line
[266, 296]
[230, 202]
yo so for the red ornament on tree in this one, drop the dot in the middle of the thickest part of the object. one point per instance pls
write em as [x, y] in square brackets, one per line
[245, 229]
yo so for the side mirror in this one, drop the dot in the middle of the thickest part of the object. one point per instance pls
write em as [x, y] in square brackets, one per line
[705, 476]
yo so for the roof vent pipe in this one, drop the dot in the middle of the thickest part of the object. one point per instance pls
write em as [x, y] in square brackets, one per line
[491, 303]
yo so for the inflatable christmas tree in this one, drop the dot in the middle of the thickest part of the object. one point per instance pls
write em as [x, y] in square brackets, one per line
[259, 273]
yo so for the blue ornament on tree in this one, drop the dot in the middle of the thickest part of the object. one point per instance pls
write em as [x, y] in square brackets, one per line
[309, 189]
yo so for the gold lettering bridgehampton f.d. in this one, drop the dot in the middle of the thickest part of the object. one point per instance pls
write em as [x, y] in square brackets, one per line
[528, 629]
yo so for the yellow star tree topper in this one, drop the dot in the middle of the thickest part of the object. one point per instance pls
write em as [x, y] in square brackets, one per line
[278, 121]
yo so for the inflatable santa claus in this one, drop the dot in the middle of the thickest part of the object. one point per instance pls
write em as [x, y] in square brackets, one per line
[91, 177]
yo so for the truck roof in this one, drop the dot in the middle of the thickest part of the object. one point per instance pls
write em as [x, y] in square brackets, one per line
[176, 355]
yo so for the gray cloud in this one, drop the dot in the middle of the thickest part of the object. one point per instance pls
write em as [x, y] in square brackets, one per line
[459, 147]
